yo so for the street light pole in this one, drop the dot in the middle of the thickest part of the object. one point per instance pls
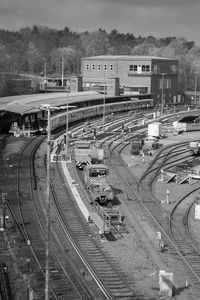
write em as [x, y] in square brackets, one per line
[195, 88]
[62, 71]
[163, 74]
[104, 104]
[45, 69]
[28, 269]
[48, 216]
[67, 125]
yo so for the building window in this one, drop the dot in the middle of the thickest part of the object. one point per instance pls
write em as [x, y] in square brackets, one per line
[111, 67]
[99, 67]
[131, 68]
[169, 84]
[87, 66]
[173, 69]
[105, 67]
[145, 68]
[93, 66]
[164, 83]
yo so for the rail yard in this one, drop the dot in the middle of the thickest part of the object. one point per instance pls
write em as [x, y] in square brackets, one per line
[109, 250]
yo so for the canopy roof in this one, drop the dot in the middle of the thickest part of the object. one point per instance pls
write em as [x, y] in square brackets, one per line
[26, 104]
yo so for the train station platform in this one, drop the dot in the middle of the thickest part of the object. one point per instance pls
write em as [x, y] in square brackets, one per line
[101, 220]
[75, 192]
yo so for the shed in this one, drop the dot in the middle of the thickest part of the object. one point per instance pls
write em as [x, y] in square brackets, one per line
[155, 129]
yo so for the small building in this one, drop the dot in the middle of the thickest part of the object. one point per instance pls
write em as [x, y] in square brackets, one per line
[155, 129]
[59, 84]
[136, 75]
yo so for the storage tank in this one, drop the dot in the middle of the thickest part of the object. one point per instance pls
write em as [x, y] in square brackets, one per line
[155, 129]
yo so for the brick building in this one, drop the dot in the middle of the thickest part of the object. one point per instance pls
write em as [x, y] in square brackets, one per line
[133, 75]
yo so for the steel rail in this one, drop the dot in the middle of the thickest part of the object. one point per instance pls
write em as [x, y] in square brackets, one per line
[87, 262]
[152, 216]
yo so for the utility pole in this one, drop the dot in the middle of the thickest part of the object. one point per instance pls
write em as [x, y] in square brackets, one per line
[104, 104]
[48, 108]
[195, 88]
[67, 124]
[48, 216]
[162, 93]
[3, 198]
[28, 270]
[45, 69]
[62, 71]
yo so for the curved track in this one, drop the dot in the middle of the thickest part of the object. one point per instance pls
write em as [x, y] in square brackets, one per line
[23, 212]
[151, 205]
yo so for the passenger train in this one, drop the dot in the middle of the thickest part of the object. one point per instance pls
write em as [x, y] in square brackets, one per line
[85, 113]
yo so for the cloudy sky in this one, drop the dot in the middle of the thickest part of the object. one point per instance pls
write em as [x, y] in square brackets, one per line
[159, 18]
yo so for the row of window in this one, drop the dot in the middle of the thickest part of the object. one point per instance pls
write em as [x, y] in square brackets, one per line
[147, 68]
[132, 68]
[99, 67]
[139, 68]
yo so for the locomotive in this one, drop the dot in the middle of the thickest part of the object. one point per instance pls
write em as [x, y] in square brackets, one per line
[96, 177]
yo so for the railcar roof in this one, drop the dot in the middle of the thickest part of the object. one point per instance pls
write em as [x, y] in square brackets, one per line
[97, 166]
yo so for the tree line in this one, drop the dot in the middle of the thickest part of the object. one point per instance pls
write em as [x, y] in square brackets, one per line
[38, 49]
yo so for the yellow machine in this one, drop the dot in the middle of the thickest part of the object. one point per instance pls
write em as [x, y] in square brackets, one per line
[96, 177]
[87, 153]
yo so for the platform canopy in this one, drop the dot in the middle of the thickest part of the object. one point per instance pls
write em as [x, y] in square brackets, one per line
[27, 104]
[19, 108]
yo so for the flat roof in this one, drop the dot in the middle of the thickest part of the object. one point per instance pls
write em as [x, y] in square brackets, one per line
[25, 104]
[128, 57]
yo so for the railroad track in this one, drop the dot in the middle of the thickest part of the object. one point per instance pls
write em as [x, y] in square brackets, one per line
[31, 231]
[5, 289]
[99, 264]
[143, 195]
[180, 234]
[26, 218]
[18, 179]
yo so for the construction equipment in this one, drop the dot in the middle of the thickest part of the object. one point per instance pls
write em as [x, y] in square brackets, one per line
[87, 153]
[96, 178]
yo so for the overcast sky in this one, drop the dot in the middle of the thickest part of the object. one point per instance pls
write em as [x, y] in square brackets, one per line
[160, 18]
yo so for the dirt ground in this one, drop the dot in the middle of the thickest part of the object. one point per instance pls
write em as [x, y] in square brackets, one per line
[138, 251]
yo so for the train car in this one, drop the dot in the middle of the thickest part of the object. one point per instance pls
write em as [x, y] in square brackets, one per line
[86, 152]
[96, 178]
[85, 113]
[136, 146]
[82, 150]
